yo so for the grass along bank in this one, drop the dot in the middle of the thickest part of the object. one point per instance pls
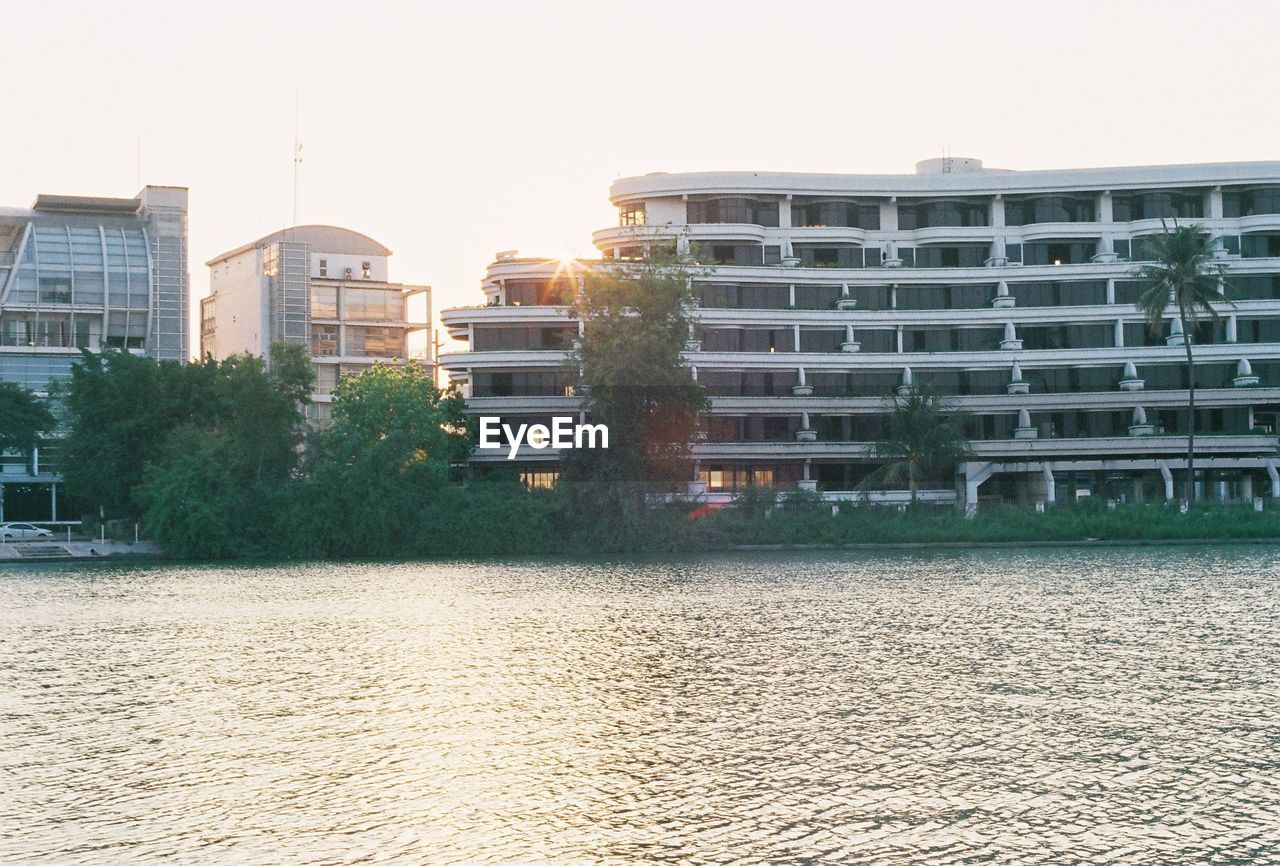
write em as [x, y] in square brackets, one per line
[810, 523]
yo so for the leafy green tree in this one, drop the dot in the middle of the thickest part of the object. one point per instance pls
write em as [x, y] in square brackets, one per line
[391, 448]
[259, 409]
[120, 410]
[24, 418]
[192, 500]
[1183, 274]
[635, 326]
[924, 438]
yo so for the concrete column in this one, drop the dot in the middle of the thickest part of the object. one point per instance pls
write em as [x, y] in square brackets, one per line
[1233, 330]
[1104, 207]
[1214, 204]
[1274, 475]
[1050, 486]
[791, 294]
[797, 332]
[997, 212]
[975, 474]
[784, 212]
[1119, 333]
[899, 330]
[1168, 481]
[889, 215]
[1111, 290]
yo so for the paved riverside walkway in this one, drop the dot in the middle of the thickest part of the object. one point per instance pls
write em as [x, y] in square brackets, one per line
[53, 549]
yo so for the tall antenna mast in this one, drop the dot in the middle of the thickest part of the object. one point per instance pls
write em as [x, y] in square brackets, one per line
[297, 157]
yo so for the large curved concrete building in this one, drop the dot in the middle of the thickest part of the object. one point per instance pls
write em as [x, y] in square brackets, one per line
[1012, 291]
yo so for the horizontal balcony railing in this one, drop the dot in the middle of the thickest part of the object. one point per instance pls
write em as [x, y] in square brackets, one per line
[982, 404]
[1257, 447]
[11, 341]
[997, 359]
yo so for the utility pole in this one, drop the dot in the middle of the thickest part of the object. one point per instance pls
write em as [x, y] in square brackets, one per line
[297, 156]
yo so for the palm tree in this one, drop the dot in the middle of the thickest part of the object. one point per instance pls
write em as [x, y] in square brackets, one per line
[924, 437]
[1184, 273]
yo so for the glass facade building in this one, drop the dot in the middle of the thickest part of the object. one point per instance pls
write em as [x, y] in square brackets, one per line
[85, 273]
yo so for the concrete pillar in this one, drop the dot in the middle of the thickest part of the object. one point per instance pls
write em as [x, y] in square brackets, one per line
[899, 329]
[1050, 486]
[1111, 290]
[784, 212]
[1274, 475]
[791, 294]
[1105, 214]
[1168, 481]
[1233, 329]
[997, 212]
[975, 474]
[1119, 333]
[1214, 209]
[889, 215]
[797, 327]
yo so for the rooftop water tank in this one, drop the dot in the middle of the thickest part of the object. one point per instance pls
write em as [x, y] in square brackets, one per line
[949, 165]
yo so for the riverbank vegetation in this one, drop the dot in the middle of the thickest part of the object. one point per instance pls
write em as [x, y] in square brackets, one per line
[216, 460]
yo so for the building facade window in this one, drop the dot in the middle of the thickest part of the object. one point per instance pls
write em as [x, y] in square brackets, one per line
[631, 214]
[1243, 202]
[1159, 204]
[930, 214]
[1049, 209]
[734, 210]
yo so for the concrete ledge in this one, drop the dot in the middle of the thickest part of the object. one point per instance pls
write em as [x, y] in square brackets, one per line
[967, 545]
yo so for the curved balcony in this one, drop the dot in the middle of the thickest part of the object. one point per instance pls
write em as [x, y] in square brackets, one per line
[626, 236]
[996, 403]
[827, 235]
[457, 319]
[1255, 223]
[504, 358]
[948, 234]
[1054, 231]
[996, 359]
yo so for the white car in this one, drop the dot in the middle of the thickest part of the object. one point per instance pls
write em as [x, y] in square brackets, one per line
[15, 531]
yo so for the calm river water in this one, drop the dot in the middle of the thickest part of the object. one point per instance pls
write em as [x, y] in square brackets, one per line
[1052, 706]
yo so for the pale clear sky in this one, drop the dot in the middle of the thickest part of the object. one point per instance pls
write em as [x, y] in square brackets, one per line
[451, 130]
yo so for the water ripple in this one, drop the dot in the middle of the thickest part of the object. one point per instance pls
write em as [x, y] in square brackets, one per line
[964, 707]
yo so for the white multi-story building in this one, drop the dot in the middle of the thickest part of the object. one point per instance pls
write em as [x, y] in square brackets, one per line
[320, 286]
[1012, 292]
[85, 273]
